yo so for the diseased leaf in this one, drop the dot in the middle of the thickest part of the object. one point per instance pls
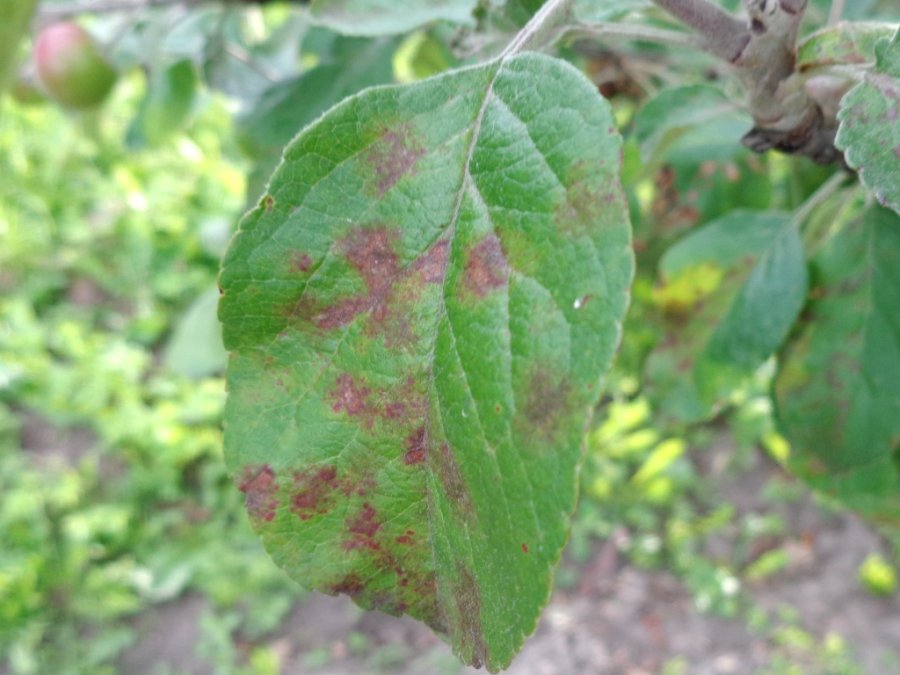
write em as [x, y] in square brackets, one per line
[838, 388]
[732, 290]
[388, 17]
[869, 132]
[842, 44]
[420, 312]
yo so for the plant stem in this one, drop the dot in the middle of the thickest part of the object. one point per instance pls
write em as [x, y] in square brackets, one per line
[819, 197]
[58, 13]
[635, 32]
[539, 30]
[724, 35]
[837, 11]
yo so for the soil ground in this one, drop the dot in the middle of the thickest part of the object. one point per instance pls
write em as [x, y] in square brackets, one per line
[618, 619]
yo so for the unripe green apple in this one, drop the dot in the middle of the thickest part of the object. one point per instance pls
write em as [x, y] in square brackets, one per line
[71, 67]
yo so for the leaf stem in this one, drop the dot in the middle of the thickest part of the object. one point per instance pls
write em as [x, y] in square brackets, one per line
[819, 197]
[539, 31]
[837, 11]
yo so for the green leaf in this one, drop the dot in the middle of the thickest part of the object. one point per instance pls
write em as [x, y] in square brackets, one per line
[838, 388]
[731, 290]
[15, 16]
[420, 314]
[289, 105]
[842, 44]
[195, 348]
[388, 17]
[869, 132]
[675, 112]
[167, 106]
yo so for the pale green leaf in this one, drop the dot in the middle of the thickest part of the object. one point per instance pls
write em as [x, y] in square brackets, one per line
[869, 132]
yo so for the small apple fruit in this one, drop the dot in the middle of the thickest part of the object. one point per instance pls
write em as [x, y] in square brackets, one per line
[71, 67]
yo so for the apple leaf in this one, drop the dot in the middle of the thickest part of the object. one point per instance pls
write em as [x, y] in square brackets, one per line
[838, 388]
[420, 312]
[869, 132]
[388, 17]
[732, 290]
[15, 16]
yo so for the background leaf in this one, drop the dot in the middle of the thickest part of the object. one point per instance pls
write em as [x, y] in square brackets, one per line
[388, 17]
[420, 313]
[15, 16]
[731, 291]
[869, 132]
[838, 388]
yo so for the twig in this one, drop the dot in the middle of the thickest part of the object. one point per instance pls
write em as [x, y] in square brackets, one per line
[723, 34]
[60, 12]
[635, 32]
[837, 11]
[540, 29]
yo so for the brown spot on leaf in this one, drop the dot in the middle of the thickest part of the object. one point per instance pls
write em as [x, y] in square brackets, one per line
[260, 491]
[350, 396]
[362, 528]
[452, 481]
[350, 585]
[486, 268]
[371, 252]
[432, 264]
[313, 492]
[468, 607]
[416, 447]
[524, 548]
[301, 262]
[546, 403]
[268, 203]
[393, 156]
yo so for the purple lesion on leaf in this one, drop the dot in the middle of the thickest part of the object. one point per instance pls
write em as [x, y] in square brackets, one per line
[486, 268]
[389, 287]
[350, 396]
[371, 251]
[301, 262]
[362, 529]
[313, 491]
[432, 264]
[416, 447]
[393, 156]
[260, 491]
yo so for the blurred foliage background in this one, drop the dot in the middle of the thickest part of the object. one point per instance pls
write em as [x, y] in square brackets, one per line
[115, 499]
